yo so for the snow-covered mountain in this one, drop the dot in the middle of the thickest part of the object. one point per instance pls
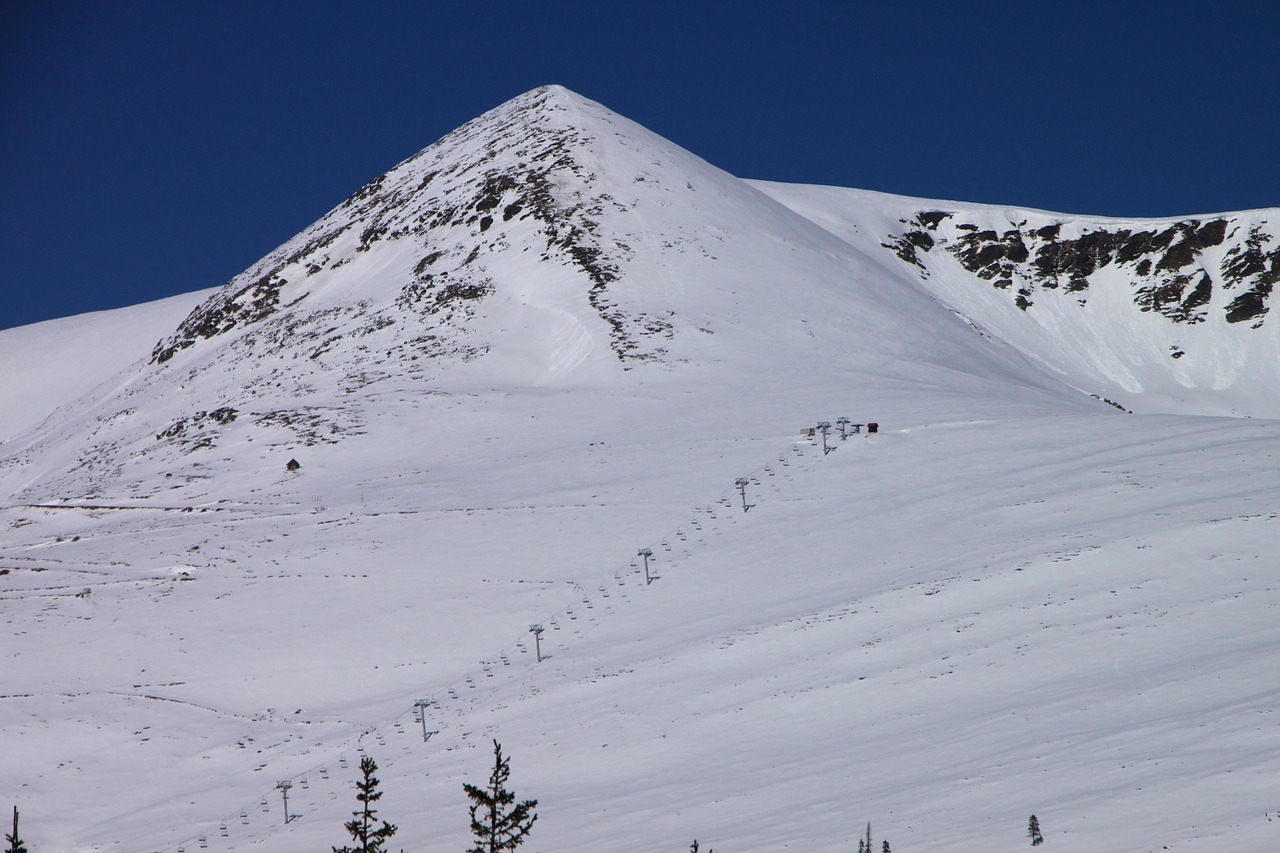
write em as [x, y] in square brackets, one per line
[553, 339]
[548, 243]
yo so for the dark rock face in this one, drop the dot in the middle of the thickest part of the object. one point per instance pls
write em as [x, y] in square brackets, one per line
[199, 430]
[1168, 266]
[1254, 269]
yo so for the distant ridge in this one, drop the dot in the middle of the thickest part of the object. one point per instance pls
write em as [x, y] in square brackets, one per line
[1167, 314]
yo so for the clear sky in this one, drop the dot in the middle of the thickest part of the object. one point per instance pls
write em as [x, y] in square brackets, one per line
[151, 148]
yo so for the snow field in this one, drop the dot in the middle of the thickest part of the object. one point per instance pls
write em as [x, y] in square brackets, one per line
[852, 634]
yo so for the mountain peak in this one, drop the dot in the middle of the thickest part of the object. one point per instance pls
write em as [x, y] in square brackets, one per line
[430, 216]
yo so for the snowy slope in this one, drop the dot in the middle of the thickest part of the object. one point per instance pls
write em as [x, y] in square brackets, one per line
[47, 365]
[1161, 315]
[1012, 599]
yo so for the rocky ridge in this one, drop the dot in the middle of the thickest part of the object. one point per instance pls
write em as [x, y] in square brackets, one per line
[1182, 270]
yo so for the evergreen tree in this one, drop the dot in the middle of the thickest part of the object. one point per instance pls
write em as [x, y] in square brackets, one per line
[497, 821]
[362, 829]
[866, 845]
[1033, 832]
[15, 843]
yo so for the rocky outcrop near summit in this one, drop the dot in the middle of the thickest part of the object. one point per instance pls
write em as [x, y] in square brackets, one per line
[511, 179]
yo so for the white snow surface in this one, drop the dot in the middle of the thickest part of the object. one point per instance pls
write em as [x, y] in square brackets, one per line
[47, 365]
[1012, 599]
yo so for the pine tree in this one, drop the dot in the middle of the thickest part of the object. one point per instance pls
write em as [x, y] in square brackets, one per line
[498, 823]
[1033, 832]
[15, 843]
[866, 845]
[362, 829]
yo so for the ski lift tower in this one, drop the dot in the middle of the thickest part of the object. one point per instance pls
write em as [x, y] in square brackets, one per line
[646, 554]
[284, 785]
[843, 423]
[742, 483]
[537, 640]
[422, 705]
[824, 427]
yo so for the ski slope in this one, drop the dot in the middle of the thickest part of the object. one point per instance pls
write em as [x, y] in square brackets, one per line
[1011, 599]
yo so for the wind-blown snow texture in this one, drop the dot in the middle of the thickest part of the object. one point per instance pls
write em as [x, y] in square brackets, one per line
[552, 339]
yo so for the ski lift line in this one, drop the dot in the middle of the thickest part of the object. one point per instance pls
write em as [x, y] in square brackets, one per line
[468, 679]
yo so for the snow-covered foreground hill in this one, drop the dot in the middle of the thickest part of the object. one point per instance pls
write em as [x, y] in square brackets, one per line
[1012, 599]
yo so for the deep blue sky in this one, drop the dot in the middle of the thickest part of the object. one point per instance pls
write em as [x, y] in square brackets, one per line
[152, 148]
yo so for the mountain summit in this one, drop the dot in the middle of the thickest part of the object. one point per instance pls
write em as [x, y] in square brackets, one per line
[423, 247]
